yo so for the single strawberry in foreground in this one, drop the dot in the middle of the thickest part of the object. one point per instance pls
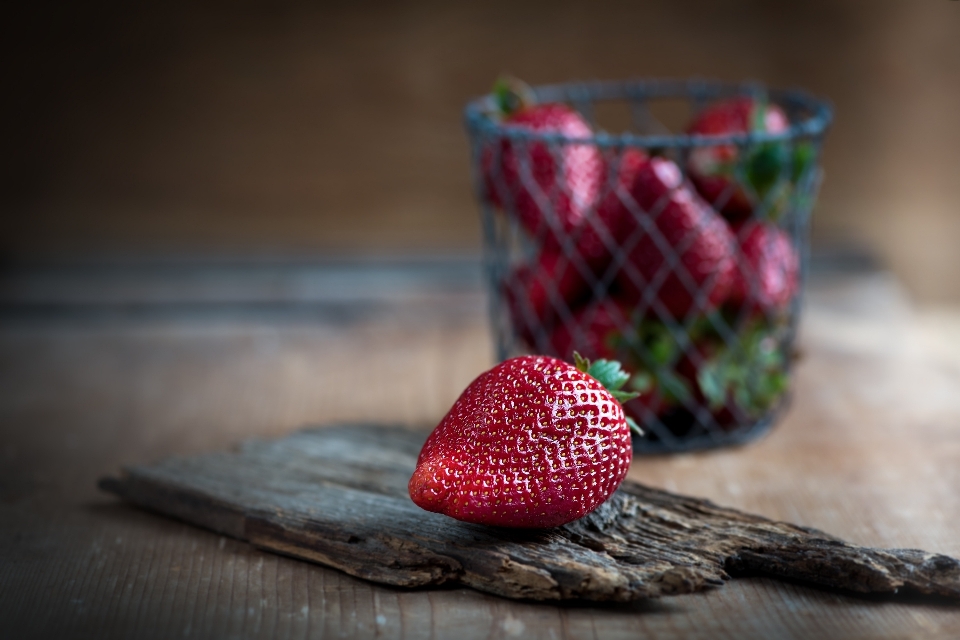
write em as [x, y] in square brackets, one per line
[669, 220]
[733, 181]
[768, 271]
[550, 187]
[534, 442]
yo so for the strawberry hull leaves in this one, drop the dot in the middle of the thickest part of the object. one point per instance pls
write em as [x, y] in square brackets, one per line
[741, 381]
[609, 373]
[753, 181]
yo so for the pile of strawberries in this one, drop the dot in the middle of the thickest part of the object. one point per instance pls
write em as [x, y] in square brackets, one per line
[681, 272]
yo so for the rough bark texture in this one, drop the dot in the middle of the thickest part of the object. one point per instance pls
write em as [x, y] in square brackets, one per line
[338, 496]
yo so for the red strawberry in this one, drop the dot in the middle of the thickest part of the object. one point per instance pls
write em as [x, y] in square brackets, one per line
[533, 442]
[595, 331]
[741, 381]
[768, 273]
[550, 187]
[600, 234]
[713, 168]
[538, 294]
[671, 220]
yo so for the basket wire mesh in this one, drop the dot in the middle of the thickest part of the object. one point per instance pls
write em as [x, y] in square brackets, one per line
[705, 325]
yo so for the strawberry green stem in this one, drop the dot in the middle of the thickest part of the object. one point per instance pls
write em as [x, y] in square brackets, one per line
[611, 375]
[511, 95]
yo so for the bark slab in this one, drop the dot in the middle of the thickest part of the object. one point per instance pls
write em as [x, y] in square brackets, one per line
[337, 496]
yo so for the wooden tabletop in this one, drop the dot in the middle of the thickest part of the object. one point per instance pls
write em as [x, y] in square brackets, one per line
[870, 451]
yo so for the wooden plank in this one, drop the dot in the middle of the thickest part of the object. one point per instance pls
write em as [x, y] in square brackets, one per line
[337, 496]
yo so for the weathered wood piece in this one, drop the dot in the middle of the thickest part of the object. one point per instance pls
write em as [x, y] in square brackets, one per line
[338, 496]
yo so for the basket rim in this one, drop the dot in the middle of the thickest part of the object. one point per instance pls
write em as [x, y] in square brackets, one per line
[480, 125]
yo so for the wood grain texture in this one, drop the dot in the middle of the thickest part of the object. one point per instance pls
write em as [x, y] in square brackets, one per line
[869, 451]
[338, 496]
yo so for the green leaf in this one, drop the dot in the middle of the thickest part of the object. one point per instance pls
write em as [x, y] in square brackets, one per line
[624, 396]
[749, 374]
[581, 363]
[511, 95]
[634, 426]
[642, 382]
[609, 374]
[803, 156]
[759, 119]
[673, 387]
[764, 166]
[662, 349]
[712, 385]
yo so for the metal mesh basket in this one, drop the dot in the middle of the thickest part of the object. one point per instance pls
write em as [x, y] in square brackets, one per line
[681, 255]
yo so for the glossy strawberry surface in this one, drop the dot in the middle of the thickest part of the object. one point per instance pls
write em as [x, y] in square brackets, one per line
[768, 271]
[533, 442]
[714, 169]
[681, 259]
[550, 187]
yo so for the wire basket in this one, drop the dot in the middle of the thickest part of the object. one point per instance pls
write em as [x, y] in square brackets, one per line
[680, 255]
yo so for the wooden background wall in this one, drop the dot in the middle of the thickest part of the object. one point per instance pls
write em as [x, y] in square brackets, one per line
[248, 128]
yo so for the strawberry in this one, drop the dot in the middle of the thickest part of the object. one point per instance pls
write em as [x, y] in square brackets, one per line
[670, 220]
[657, 351]
[737, 191]
[648, 350]
[533, 442]
[595, 330]
[767, 275]
[600, 234]
[713, 168]
[740, 381]
[540, 293]
[550, 187]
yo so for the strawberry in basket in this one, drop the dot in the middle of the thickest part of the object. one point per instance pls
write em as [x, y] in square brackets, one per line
[768, 269]
[595, 331]
[754, 181]
[738, 381]
[679, 251]
[610, 329]
[549, 186]
[539, 293]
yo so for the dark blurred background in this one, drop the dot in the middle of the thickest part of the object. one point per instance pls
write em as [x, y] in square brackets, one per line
[291, 129]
